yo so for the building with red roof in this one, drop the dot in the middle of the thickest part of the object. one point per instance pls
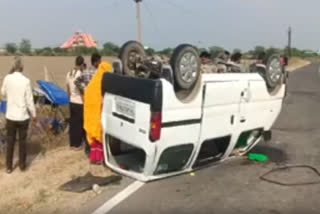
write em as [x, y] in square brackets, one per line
[80, 40]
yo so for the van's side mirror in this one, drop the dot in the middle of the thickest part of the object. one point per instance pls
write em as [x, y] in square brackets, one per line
[167, 73]
[117, 67]
[267, 136]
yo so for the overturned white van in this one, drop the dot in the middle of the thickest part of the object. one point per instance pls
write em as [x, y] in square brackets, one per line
[150, 133]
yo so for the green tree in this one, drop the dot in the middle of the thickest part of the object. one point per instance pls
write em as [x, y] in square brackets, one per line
[166, 52]
[84, 51]
[303, 53]
[202, 50]
[270, 51]
[237, 50]
[110, 49]
[150, 51]
[257, 51]
[59, 51]
[310, 53]
[215, 50]
[25, 46]
[11, 48]
[47, 51]
[38, 51]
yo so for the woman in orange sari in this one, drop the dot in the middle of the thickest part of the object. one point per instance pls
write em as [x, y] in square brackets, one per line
[92, 113]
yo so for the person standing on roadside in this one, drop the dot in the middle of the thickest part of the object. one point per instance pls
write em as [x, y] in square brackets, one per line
[76, 130]
[207, 65]
[84, 79]
[93, 100]
[20, 107]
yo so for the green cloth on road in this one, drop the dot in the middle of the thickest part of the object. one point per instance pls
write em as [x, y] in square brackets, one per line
[258, 157]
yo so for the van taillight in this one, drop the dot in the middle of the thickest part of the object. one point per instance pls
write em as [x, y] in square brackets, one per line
[155, 126]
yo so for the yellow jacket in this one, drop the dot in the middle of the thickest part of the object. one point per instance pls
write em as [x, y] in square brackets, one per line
[93, 105]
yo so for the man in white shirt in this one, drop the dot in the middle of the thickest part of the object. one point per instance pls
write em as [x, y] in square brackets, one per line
[76, 131]
[20, 106]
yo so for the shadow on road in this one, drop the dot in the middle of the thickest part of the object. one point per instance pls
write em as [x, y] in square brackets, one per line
[276, 155]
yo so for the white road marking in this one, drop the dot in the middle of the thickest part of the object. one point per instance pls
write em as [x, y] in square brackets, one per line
[117, 199]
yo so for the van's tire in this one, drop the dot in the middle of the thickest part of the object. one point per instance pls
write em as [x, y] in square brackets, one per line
[128, 53]
[185, 63]
[274, 75]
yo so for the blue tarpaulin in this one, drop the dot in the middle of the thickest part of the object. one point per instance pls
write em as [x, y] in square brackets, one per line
[3, 106]
[54, 93]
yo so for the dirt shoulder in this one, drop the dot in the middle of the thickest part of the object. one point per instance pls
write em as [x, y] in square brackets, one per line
[296, 63]
[36, 190]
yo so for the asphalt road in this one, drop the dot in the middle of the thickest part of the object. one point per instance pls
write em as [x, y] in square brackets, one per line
[235, 186]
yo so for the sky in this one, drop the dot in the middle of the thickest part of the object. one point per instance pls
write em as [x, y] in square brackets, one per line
[166, 23]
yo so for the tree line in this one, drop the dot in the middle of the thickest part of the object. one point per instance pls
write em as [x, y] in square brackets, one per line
[111, 49]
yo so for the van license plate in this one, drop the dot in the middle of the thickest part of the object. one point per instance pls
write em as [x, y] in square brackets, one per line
[125, 107]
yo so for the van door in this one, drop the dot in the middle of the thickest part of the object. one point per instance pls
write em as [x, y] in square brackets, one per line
[245, 95]
[258, 111]
[221, 112]
[258, 106]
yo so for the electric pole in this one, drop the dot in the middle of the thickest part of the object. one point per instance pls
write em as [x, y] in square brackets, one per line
[289, 40]
[138, 2]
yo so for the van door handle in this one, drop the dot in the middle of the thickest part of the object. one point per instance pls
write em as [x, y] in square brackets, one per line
[232, 120]
[243, 120]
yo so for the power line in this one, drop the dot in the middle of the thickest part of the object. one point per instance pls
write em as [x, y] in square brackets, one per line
[113, 4]
[177, 6]
[138, 6]
[154, 22]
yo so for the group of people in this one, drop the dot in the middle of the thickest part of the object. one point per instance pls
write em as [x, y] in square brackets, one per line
[226, 62]
[76, 81]
[223, 63]
[84, 90]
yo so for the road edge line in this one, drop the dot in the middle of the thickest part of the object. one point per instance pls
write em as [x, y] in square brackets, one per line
[118, 198]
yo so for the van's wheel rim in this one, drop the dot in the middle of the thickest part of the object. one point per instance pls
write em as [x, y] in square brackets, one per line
[188, 67]
[275, 70]
[132, 60]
